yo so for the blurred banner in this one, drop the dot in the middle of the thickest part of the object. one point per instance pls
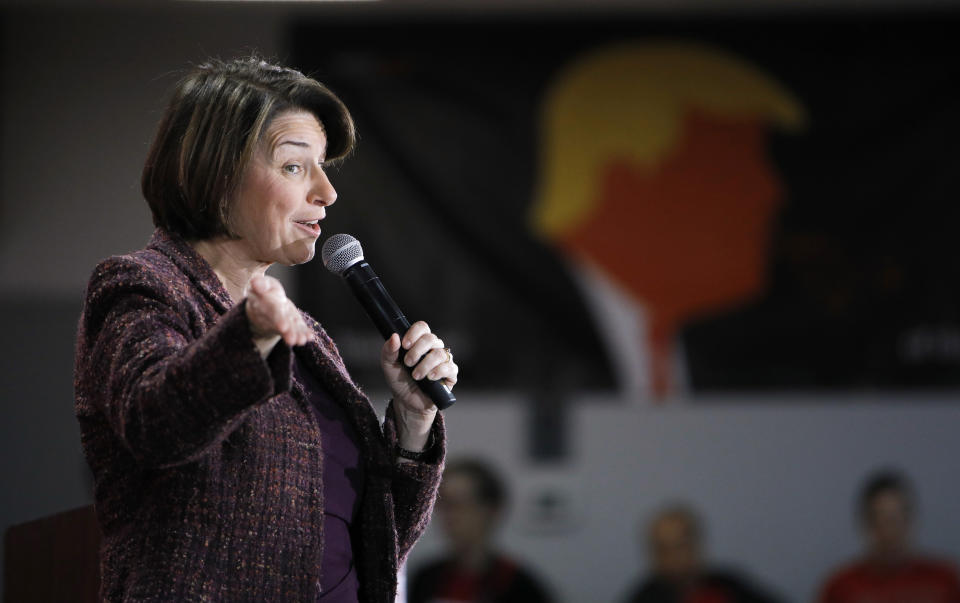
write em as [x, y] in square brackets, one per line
[655, 207]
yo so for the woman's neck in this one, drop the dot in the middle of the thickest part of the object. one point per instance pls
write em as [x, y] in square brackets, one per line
[231, 263]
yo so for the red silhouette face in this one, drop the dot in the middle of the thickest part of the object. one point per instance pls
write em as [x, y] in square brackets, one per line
[690, 235]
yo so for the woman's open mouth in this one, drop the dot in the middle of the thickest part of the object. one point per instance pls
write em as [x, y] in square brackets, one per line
[311, 226]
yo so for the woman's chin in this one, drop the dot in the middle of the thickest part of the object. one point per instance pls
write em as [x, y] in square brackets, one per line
[300, 253]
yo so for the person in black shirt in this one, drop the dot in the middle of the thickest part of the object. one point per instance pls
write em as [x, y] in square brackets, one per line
[470, 506]
[679, 572]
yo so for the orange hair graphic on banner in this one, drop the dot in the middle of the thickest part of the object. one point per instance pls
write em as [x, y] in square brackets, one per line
[654, 170]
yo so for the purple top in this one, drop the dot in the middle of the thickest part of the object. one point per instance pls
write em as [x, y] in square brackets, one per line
[342, 490]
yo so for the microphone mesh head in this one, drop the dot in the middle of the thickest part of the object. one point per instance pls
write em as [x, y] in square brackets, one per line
[341, 251]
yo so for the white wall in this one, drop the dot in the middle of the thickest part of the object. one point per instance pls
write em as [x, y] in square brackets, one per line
[775, 480]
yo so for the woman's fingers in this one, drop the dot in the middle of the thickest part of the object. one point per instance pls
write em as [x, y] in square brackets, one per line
[271, 313]
[427, 355]
[390, 351]
[415, 332]
[437, 365]
[257, 285]
[447, 371]
[420, 347]
[266, 285]
[296, 331]
[430, 361]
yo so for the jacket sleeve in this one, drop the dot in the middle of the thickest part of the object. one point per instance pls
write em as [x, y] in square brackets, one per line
[415, 484]
[168, 395]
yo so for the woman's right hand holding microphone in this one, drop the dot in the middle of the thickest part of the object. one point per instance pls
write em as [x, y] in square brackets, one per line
[273, 316]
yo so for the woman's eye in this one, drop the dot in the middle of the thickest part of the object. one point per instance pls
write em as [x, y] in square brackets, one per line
[292, 168]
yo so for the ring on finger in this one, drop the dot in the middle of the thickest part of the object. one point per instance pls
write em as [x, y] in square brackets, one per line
[449, 354]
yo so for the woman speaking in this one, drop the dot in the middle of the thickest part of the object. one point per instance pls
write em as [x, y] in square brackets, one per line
[233, 457]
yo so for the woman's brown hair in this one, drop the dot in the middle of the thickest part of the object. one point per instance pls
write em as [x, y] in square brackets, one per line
[208, 132]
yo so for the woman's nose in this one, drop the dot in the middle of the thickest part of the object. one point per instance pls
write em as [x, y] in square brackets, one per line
[322, 191]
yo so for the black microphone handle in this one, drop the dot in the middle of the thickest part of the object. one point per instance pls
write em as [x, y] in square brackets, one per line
[388, 318]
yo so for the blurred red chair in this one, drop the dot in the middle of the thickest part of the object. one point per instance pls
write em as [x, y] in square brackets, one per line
[54, 558]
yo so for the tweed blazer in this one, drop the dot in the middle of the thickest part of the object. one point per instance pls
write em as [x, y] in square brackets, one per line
[207, 459]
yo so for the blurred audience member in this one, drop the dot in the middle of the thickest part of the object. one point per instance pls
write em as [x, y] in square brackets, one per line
[890, 571]
[674, 539]
[471, 504]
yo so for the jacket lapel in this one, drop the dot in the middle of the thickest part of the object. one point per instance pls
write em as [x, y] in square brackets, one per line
[194, 266]
[320, 357]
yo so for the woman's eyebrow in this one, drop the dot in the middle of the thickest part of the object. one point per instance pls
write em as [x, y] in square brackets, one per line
[298, 143]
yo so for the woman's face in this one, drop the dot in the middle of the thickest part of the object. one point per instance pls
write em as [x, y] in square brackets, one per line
[284, 192]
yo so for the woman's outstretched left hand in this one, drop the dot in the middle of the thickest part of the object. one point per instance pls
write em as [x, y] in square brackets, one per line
[425, 352]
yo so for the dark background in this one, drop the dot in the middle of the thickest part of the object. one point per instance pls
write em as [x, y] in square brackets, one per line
[864, 274]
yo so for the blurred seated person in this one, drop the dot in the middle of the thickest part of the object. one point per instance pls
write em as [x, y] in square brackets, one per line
[471, 506]
[674, 539]
[890, 571]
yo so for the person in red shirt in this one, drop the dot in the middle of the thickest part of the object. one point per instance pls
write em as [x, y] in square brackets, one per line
[890, 571]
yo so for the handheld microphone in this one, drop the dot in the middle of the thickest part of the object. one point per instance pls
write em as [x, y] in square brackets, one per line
[343, 256]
